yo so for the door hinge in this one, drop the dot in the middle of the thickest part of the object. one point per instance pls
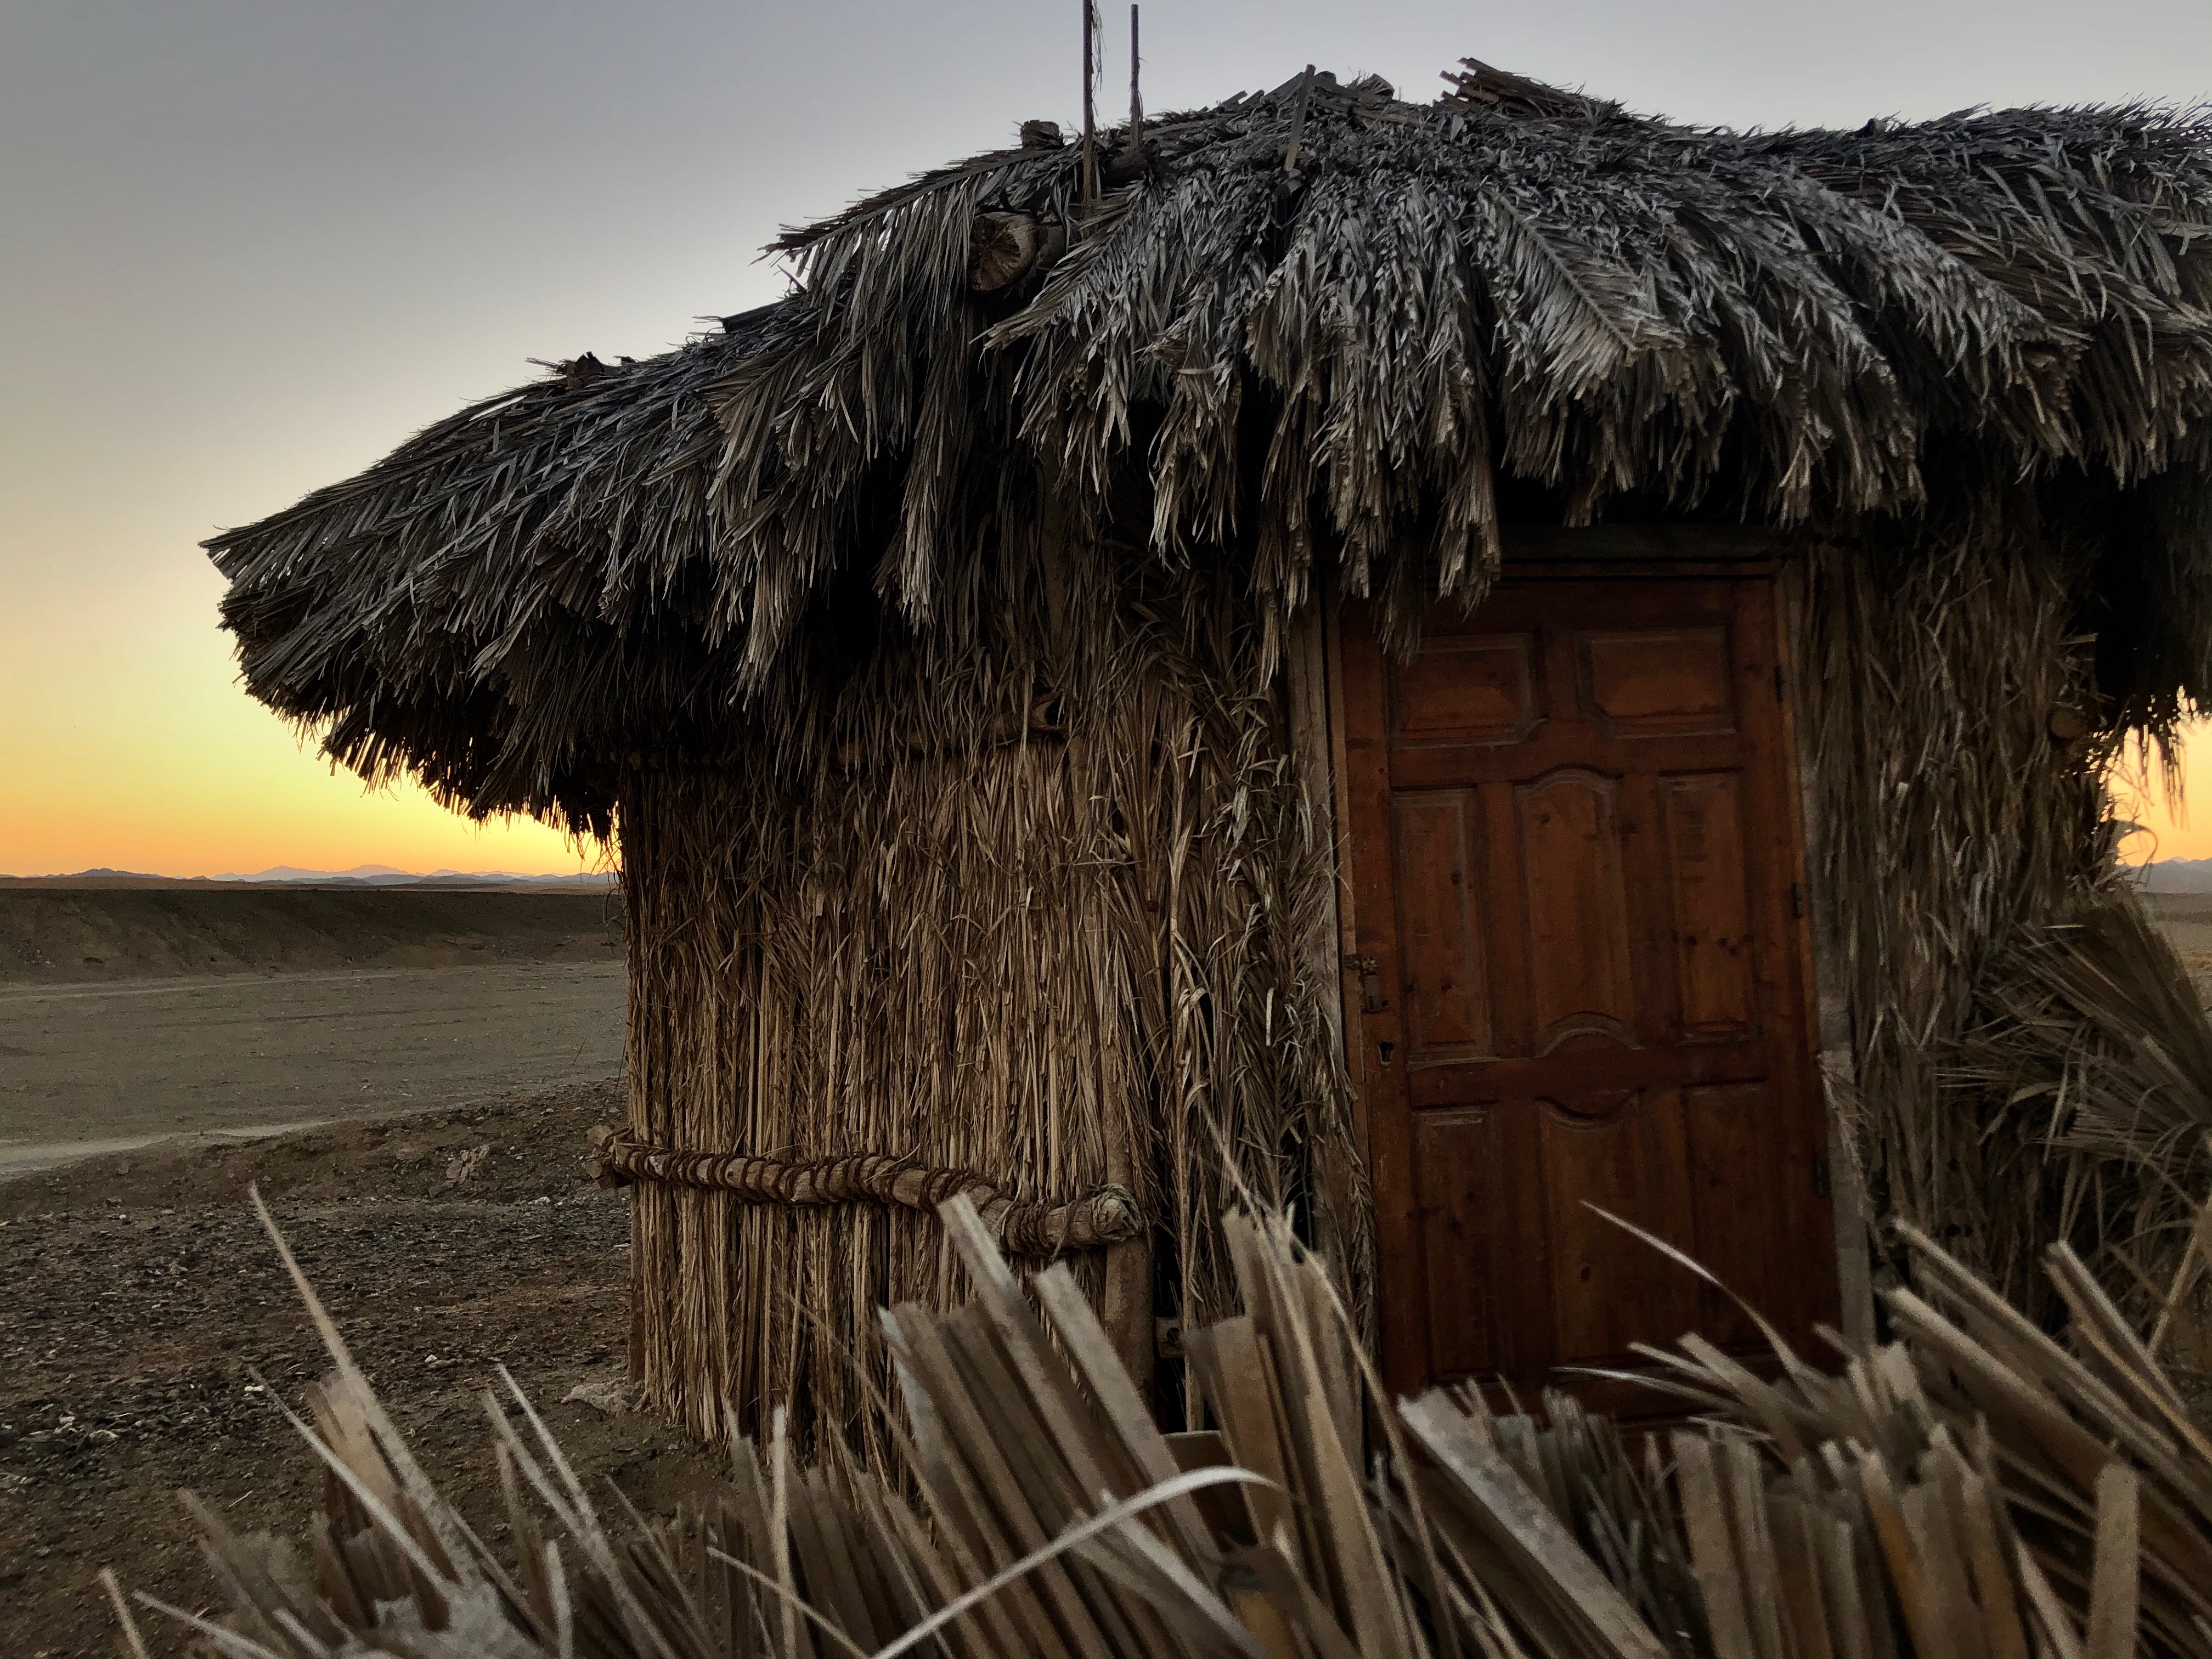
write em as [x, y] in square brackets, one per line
[1820, 1176]
[1797, 900]
[1370, 983]
[1779, 694]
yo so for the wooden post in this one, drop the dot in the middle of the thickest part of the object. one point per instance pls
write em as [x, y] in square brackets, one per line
[1839, 1068]
[1313, 739]
[1090, 115]
[1136, 98]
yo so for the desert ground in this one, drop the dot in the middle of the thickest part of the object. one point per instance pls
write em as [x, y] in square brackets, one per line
[105, 1068]
[2188, 919]
[161, 1049]
[128, 1014]
[451, 1056]
[149, 1332]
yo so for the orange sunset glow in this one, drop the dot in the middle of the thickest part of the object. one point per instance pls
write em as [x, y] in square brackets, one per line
[2169, 828]
[134, 749]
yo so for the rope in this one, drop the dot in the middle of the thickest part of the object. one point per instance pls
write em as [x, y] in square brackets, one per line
[1023, 1227]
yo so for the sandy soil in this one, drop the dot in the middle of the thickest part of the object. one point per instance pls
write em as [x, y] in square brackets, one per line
[101, 1066]
[2187, 918]
[144, 1302]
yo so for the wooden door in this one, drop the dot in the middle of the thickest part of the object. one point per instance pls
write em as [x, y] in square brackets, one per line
[1580, 979]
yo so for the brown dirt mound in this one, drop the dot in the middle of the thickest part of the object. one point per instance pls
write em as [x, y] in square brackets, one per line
[147, 1318]
[55, 935]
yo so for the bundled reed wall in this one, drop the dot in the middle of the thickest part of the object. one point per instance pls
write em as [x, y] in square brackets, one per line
[1030, 910]
[1951, 821]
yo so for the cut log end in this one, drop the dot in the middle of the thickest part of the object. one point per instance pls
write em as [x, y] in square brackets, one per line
[1004, 247]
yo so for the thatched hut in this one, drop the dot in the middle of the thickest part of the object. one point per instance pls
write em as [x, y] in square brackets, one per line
[1440, 663]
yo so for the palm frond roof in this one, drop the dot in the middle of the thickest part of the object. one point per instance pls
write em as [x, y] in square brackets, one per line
[1319, 321]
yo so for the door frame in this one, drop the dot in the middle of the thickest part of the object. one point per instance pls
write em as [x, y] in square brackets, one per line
[1320, 732]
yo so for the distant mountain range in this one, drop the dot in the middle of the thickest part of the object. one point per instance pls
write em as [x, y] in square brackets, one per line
[383, 875]
[364, 875]
[2177, 876]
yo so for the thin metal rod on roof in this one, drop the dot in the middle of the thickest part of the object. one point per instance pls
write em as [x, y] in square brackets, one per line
[1136, 98]
[1090, 114]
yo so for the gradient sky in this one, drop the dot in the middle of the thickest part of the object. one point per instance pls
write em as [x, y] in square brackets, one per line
[250, 246]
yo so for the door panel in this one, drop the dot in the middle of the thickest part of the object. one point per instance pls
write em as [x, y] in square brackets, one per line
[1463, 1203]
[1574, 860]
[1608, 1288]
[1447, 997]
[1579, 979]
[1657, 682]
[1705, 854]
[1469, 690]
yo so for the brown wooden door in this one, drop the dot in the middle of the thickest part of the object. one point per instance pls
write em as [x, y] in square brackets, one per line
[1574, 850]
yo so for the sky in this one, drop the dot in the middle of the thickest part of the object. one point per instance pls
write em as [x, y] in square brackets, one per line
[252, 245]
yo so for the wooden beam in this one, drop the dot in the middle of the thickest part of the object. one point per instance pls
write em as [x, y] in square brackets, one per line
[1306, 672]
[1837, 1067]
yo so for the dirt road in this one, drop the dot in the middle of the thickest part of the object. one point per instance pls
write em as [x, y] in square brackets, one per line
[88, 1068]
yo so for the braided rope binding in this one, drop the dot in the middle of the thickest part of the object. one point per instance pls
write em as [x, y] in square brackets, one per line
[1029, 1228]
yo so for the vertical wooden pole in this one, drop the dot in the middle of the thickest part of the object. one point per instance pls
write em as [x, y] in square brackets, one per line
[1090, 114]
[1825, 960]
[1306, 677]
[1136, 98]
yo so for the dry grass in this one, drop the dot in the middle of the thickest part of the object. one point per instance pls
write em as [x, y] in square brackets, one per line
[1950, 824]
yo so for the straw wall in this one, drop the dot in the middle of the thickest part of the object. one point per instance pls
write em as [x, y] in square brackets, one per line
[1028, 910]
[1950, 820]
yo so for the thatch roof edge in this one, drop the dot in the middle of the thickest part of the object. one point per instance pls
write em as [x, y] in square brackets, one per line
[1355, 358]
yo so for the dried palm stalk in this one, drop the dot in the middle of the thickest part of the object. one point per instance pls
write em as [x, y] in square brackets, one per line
[2091, 1036]
[1043, 1513]
[1975, 1488]
[1972, 1488]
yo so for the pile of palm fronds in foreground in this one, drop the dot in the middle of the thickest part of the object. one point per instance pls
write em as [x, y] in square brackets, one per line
[2092, 1042]
[1974, 1491]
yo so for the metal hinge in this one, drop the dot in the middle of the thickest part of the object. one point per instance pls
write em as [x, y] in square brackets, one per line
[1371, 982]
[1797, 900]
[1819, 1176]
[1778, 682]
